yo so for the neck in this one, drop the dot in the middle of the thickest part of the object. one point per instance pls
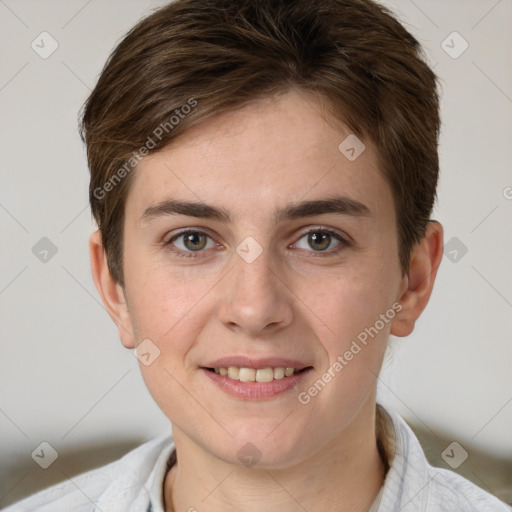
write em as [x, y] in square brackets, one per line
[345, 475]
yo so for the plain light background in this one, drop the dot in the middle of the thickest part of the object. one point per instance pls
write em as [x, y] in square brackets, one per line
[65, 377]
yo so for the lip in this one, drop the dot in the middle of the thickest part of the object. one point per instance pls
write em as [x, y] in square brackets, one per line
[256, 363]
[255, 390]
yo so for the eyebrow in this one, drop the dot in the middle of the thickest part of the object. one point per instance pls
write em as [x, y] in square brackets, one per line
[341, 205]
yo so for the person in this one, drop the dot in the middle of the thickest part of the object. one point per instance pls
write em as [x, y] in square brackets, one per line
[263, 176]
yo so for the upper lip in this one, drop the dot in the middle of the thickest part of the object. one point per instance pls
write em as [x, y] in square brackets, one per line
[256, 363]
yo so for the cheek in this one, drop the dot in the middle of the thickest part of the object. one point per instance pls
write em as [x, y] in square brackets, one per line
[162, 296]
[354, 310]
[169, 310]
[352, 301]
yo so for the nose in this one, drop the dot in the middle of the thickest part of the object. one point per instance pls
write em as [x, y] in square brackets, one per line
[255, 299]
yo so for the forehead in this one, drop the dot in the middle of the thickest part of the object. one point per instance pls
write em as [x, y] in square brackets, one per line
[259, 158]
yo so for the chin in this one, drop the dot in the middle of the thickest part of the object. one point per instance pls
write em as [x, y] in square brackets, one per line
[259, 447]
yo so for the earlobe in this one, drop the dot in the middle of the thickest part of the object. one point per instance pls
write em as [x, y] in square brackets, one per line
[417, 285]
[111, 292]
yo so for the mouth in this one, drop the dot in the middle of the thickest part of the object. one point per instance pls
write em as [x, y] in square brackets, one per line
[256, 380]
[268, 374]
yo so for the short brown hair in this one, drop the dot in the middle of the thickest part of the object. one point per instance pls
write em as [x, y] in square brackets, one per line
[218, 55]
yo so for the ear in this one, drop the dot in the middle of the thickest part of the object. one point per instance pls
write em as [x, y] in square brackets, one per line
[417, 285]
[111, 292]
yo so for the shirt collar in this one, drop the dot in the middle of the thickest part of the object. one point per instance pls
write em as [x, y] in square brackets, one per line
[155, 481]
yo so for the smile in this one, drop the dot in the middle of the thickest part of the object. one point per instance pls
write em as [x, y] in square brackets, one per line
[255, 375]
[248, 383]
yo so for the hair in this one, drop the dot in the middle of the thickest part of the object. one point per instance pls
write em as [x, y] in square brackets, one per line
[193, 59]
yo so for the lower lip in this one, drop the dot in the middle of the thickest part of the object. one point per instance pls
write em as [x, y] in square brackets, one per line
[255, 390]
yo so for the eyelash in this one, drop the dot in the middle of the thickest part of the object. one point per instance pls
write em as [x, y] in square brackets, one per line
[343, 243]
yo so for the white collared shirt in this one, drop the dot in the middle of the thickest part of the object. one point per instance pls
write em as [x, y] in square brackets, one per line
[134, 483]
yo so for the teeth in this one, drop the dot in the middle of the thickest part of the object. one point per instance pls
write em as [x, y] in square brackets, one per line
[278, 373]
[253, 375]
[264, 375]
[234, 373]
[247, 374]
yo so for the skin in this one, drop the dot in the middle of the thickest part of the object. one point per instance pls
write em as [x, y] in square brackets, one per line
[293, 301]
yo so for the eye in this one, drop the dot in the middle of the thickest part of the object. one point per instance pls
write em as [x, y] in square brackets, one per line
[190, 241]
[321, 240]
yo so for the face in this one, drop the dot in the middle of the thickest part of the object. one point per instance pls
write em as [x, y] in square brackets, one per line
[252, 241]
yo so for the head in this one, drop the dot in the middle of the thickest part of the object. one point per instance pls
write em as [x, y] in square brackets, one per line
[262, 177]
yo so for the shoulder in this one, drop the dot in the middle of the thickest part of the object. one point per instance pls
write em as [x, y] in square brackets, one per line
[414, 485]
[119, 485]
[449, 491]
